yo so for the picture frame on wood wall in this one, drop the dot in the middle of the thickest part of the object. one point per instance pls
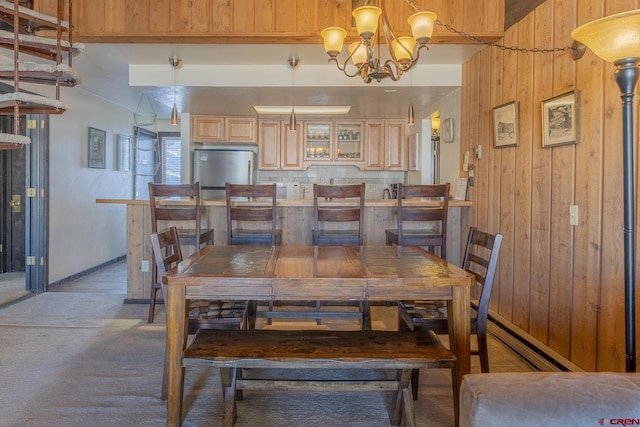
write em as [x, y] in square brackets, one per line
[559, 120]
[97, 148]
[505, 125]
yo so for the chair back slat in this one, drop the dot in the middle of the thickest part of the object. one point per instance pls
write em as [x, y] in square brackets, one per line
[422, 216]
[166, 249]
[338, 204]
[240, 213]
[175, 203]
[481, 259]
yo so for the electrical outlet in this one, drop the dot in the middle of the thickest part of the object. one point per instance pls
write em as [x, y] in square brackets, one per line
[573, 215]
[372, 189]
[144, 266]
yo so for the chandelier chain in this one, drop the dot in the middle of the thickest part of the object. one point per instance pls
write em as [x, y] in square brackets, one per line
[489, 42]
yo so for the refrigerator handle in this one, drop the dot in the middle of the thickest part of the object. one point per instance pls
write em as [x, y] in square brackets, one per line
[250, 171]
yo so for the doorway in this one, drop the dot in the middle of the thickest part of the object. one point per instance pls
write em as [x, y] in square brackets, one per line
[23, 225]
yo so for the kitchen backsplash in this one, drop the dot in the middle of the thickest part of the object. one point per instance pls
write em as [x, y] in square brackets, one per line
[376, 181]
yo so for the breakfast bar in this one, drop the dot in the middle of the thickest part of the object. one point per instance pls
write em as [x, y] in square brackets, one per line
[295, 219]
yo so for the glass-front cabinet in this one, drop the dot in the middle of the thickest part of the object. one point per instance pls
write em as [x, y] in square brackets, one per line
[317, 141]
[348, 139]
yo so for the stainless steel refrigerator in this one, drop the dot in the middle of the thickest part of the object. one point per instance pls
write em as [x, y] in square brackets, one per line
[212, 168]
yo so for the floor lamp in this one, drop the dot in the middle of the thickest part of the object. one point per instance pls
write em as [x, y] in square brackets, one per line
[616, 39]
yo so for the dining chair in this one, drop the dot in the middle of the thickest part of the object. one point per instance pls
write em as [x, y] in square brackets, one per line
[172, 203]
[421, 224]
[252, 224]
[255, 223]
[336, 207]
[480, 259]
[203, 314]
[338, 220]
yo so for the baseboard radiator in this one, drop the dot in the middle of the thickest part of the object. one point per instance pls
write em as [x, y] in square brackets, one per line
[536, 353]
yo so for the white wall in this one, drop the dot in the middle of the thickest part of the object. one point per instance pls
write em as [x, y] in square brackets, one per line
[82, 233]
[450, 166]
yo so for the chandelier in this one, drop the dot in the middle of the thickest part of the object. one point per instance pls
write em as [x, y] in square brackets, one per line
[371, 22]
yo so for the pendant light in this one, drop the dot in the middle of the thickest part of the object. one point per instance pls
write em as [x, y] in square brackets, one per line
[175, 63]
[411, 115]
[293, 63]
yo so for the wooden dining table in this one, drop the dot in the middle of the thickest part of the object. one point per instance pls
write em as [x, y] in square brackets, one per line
[311, 273]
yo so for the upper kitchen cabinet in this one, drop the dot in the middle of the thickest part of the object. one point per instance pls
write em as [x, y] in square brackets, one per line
[348, 141]
[223, 129]
[279, 148]
[385, 145]
[317, 141]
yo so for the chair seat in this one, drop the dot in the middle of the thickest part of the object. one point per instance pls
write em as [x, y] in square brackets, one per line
[212, 314]
[336, 237]
[254, 237]
[430, 315]
[415, 237]
[188, 236]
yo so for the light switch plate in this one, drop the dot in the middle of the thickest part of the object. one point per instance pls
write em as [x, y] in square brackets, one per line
[573, 215]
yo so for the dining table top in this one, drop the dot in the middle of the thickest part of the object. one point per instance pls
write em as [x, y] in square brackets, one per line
[290, 272]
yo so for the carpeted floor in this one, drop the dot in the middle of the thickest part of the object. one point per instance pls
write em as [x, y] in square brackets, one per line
[80, 357]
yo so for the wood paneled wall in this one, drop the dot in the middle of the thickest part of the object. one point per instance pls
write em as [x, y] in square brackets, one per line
[259, 21]
[563, 285]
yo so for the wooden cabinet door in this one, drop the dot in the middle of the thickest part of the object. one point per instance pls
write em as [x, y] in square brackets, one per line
[269, 145]
[395, 143]
[374, 145]
[240, 129]
[207, 129]
[291, 148]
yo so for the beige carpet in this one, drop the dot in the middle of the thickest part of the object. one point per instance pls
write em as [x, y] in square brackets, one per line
[82, 358]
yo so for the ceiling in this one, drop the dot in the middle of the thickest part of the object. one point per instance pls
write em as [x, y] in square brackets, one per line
[205, 83]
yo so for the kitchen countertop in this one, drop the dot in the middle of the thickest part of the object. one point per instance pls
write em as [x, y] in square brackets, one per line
[377, 203]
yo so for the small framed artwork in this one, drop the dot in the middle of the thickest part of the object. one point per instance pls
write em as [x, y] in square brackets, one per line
[123, 153]
[97, 149]
[447, 130]
[413, 151]
[505, 125]
[559, 120]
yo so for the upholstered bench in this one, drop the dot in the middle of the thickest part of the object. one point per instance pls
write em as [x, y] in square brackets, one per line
[550, 399]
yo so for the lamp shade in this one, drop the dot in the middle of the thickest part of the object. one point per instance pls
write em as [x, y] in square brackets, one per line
[403, 49]
[359, 53]
[422, 26]
[333, 40]
[174, 115]
[613, 37]
[435, 123]
[367, 20]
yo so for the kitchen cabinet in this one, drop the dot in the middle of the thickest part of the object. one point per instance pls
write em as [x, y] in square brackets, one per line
[205, 128]
[318, 144]
[385, 145]
[279, 148]
[348, 142]
[337, 142]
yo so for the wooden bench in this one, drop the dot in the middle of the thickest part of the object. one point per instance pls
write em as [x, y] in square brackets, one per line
[401, 351]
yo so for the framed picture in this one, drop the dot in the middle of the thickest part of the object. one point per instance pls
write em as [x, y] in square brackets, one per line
[559, 120]
[413, 151]
[123, 153]
[505, 125]
[447, 130]
[97, 149]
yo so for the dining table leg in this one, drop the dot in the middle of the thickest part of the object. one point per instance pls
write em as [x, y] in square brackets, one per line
[461, 333]
[175, 307]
